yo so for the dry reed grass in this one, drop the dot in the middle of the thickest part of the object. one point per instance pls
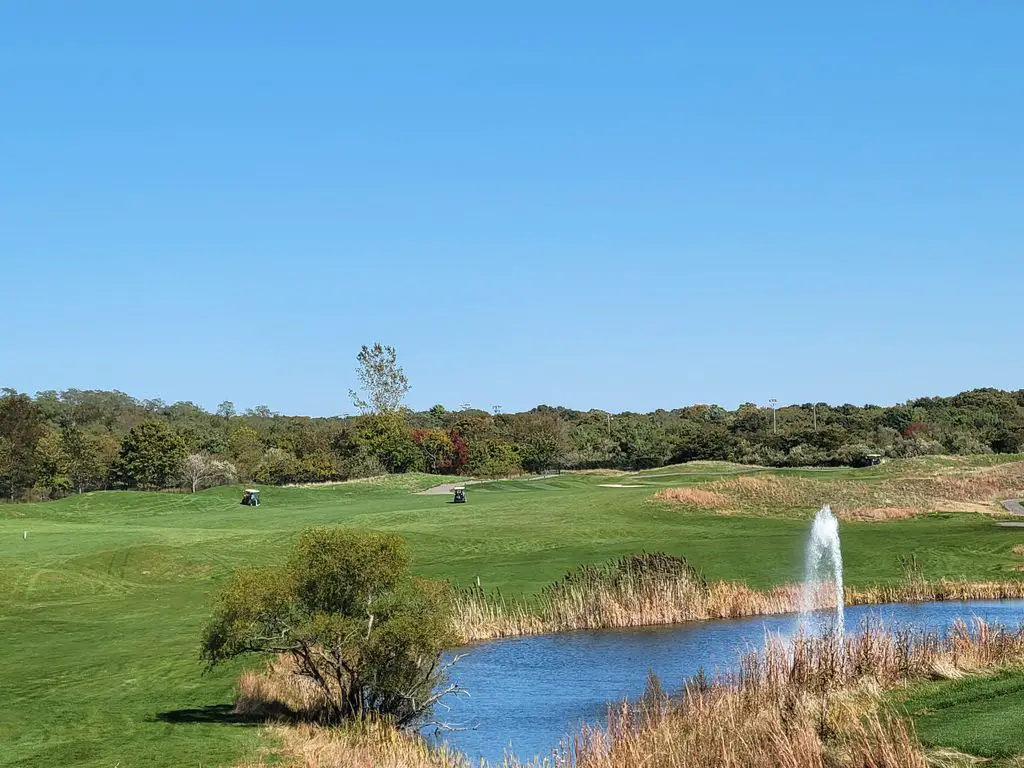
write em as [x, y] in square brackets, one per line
[360, 745]
[279, 692]
[888, 499]
[647, 599]
[694, 497]
[816, 702]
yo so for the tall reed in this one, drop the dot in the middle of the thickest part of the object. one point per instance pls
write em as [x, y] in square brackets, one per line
[654, 589]
[816, 702]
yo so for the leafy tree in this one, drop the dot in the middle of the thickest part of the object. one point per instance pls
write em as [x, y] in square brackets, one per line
[226, 410]
[151, 456]
[460, 451]
[53, 464]
[246, 447]
[21, 427]
[386, 437]
[277, 467]
[494, 458]
[354, 622]
[540, 438]
[203, 471]
[691, 441]
[436, 445]
[381, 379]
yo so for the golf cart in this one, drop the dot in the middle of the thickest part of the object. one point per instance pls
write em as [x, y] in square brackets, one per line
[251, 497]
[460, 495]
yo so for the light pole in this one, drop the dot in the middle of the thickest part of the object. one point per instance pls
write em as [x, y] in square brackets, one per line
[775, 423]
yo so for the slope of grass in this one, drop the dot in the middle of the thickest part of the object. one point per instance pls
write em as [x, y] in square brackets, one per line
[981, 716]
[102, 605]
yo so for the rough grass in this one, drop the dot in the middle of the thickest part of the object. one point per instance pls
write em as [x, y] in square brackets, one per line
[103, 603]
[887, 498]
[359, 745]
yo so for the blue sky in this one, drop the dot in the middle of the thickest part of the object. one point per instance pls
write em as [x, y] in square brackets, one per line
[622, 207]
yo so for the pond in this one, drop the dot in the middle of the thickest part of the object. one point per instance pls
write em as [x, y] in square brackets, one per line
[527, 693]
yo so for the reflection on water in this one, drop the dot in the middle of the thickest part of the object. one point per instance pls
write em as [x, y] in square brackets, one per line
[528, 693]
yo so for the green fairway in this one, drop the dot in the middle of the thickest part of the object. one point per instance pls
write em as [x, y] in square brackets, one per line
[981, 716]
[103, 602]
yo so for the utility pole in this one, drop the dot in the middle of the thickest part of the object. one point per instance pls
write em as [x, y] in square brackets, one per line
[466, 406]
[775, 423]
[496, 409]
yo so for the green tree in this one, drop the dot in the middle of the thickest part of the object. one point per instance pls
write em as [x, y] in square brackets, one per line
[354, 622]
[277, 467]
[151, 456]
[494, 458]
[246, 447]
[386, 437]
[53, 465]
[84, 466]
[21, 428]
[381, 379]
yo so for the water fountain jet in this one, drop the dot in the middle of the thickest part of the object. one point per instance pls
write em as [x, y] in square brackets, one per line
[823, 566]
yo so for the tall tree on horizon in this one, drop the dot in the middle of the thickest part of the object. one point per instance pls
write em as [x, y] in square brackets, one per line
[381, 379]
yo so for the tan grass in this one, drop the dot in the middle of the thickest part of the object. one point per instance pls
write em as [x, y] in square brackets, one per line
[816, 702]
[663, 600]
[363, 745]
[947, 488]
[278, 692]
[694, 497]
[1019, 550]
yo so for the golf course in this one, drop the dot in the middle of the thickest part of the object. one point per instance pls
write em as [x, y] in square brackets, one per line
[103, 595]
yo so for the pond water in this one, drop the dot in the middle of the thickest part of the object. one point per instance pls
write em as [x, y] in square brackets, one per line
[527, 693]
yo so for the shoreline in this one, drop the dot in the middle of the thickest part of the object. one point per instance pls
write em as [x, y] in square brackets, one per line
[496, 619]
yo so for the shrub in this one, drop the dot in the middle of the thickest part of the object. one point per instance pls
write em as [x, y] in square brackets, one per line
[351, 621]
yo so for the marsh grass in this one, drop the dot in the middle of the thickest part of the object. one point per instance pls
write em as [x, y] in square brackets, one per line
[818, 702]
[279, 692]
[370, 744]
[888, 498]
[656, 589]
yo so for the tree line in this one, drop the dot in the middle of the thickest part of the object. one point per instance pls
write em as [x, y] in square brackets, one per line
[57, 443]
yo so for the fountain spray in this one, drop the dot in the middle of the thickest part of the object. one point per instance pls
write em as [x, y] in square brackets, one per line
[823, 565]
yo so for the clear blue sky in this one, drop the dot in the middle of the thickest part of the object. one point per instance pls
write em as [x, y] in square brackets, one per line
[623, 208]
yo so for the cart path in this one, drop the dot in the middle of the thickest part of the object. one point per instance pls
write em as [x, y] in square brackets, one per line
[1014, 506]
[441, 490]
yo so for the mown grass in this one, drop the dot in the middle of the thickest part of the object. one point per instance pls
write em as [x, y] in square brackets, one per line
[981, 716]
[101, 606]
